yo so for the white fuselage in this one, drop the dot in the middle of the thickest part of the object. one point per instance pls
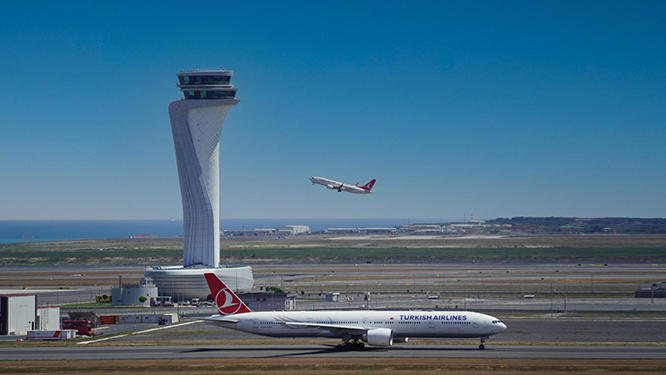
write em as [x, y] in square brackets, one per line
[339, 186]
[337, 324]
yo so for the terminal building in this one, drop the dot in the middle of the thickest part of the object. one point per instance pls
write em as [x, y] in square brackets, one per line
[378, 230]
[196, 124]
[341, 230]
[290, 230]
[293, 229]
[249, 232]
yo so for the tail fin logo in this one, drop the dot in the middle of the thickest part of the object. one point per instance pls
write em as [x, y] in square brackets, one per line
[369, 185]
[226, 301]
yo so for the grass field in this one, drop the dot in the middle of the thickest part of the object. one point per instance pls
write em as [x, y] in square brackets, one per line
[402, 366]
[318, 249]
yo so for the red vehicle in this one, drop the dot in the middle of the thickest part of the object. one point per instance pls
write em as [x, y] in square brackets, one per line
[82, 327]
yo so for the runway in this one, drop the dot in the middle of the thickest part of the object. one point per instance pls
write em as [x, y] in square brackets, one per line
[325, 351]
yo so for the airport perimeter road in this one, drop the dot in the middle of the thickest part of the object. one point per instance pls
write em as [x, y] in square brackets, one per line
[299, 351]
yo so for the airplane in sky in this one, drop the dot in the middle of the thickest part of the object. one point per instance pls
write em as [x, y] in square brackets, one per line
[339, 186]
[355, 328]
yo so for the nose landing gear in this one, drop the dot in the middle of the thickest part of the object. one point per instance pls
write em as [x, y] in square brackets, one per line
[483, 339]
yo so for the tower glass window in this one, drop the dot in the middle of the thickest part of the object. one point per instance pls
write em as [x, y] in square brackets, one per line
[204, 80]
[217, 94]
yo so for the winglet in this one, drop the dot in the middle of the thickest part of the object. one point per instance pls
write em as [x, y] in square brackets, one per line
[226, 301]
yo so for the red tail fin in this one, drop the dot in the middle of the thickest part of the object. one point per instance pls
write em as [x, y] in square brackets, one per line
[369, 185]
[226, 301]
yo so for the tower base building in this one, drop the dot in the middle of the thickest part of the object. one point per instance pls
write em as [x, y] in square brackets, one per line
[187, 283]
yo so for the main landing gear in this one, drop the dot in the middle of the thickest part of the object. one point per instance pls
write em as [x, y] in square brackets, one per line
[350, 345]
[481, 346]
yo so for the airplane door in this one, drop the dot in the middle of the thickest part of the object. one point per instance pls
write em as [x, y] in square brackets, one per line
[431, 324]
[475, 323]
[255, 323]
[366, 322]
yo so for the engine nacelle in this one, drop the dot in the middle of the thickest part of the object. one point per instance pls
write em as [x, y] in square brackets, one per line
[378, 337]
[331, 187]
[400, 339]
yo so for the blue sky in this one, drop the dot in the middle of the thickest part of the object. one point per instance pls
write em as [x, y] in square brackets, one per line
[491, 108]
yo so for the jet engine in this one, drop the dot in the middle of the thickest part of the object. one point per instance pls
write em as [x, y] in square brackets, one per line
[378, 337]
[400, 339]
[331, 187]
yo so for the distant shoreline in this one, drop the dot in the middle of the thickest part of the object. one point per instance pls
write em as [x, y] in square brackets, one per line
[20, 231]
[28, 231]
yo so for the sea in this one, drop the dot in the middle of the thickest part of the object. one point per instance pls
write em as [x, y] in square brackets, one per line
[17, 231]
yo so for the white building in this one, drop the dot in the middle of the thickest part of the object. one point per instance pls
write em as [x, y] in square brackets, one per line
[248, 232]
[188, 283]
[258, 301]
[48, 318]
[341, 230]
[17, 314]
[293, 229]
[196, 123]
[141, 294]
[377, 230]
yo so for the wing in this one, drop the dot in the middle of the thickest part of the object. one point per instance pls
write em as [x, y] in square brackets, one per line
[351, 189]
[336, 328]
[221, 321]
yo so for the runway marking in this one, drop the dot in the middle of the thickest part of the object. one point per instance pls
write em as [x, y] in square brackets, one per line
[98, 340]
[140, 332]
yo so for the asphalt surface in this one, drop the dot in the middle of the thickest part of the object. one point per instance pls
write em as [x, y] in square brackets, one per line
[304, 351]
[489, 287]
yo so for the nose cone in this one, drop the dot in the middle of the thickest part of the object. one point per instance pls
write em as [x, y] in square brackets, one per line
[502, 327]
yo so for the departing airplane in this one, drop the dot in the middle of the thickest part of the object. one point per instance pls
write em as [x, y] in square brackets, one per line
[377, 328]
[339, 186]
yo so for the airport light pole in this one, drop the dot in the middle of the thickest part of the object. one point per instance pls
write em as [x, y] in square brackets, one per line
[348, 294]
[565, 294]
[551, 297]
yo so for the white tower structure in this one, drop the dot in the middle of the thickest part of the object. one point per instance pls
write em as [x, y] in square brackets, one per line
[196, 123]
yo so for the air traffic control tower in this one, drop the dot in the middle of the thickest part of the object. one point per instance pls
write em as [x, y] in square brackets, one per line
[196, 122]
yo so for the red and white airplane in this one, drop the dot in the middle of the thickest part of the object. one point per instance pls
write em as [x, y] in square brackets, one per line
[355, 328]
[339, 186]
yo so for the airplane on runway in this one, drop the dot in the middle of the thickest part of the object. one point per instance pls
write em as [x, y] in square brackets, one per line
[339, 186]
[355, 328]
